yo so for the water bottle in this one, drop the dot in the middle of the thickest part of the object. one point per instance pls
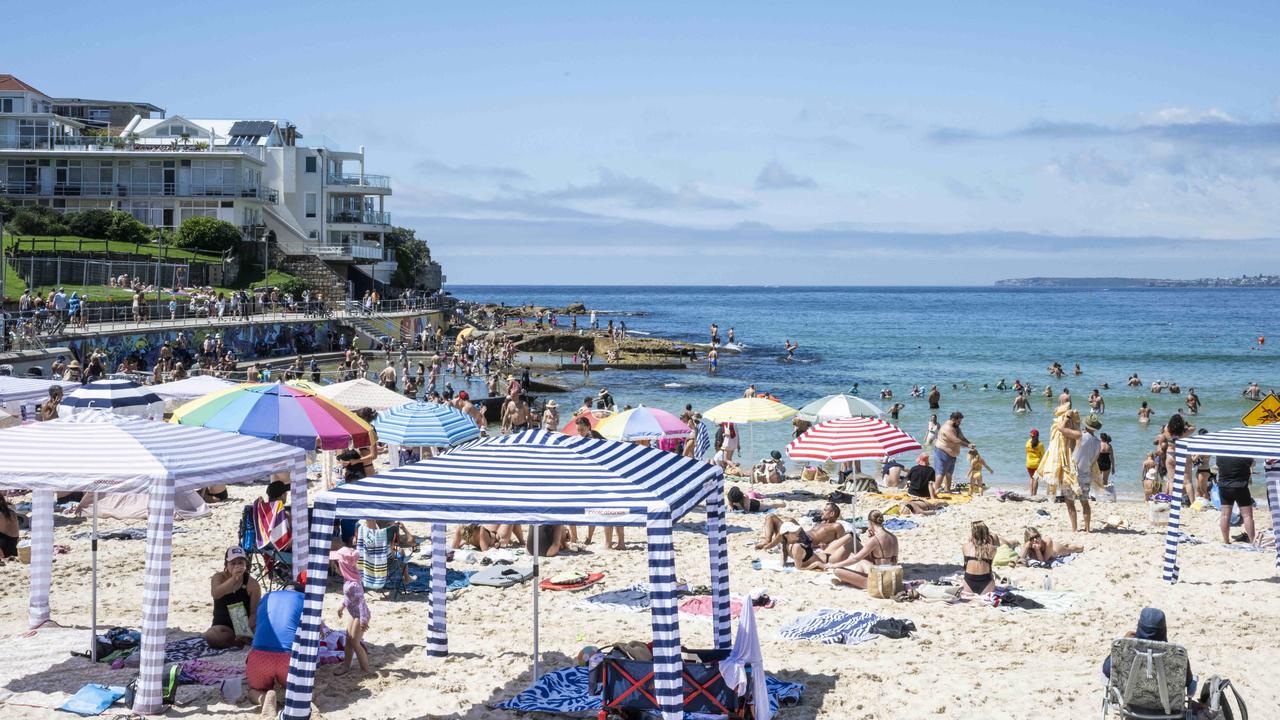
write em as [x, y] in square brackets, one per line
[1048, 581]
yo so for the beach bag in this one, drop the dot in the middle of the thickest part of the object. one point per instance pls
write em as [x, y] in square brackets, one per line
[1213, 701]
[893, 628]
[93, 699]
[839, 496]
[884, 581]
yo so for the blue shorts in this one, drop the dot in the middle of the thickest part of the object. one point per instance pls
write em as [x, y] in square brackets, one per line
[943, 464]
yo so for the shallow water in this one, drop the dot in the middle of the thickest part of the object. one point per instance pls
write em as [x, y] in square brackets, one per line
[896, 337]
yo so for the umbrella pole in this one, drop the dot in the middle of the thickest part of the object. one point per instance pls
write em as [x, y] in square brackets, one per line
[533, 529]
[93, 561]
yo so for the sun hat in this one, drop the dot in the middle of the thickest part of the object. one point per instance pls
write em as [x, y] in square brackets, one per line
[775, 455]
[1093, 421]
[236, 552]
[552, 404]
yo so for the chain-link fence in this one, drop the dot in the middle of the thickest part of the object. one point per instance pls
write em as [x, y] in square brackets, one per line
[47, 271]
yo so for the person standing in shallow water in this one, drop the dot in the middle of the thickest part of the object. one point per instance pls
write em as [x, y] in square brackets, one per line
[935, 398]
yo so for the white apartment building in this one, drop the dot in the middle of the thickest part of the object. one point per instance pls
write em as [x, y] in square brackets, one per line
[250, 172]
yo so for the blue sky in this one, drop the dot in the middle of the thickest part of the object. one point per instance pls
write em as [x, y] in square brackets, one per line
[746, 142]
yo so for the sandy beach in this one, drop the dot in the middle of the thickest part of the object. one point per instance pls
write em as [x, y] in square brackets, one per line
[964, 661]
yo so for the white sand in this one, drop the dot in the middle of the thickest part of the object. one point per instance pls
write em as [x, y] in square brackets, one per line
[964, 662]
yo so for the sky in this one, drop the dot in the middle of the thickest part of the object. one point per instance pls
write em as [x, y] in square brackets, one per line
[745, 142]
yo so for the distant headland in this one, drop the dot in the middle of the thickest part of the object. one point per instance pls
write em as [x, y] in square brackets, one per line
[1123, 282]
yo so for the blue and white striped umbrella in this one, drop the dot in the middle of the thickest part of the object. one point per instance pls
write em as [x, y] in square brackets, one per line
[121, 396]
[424, 424]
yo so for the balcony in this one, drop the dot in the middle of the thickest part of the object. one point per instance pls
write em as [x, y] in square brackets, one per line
[359, 180]
[30, 188]
[355, 249]
[367, 217]
[117, 143]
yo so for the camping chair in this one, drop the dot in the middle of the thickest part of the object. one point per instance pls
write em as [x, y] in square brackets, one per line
[382, 561]
[271, 567]
[626, 688]
[1148, 680]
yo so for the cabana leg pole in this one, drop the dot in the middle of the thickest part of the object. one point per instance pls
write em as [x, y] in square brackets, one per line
[718, 548]
[93, 562]
[41, 556]
[667, 666]
[155, 599]
[534, 531]
[1271, 476]
[1173, 534]
[437, 633]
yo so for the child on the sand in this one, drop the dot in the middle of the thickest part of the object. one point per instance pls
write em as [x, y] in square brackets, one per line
[354, 603]
[976, 464]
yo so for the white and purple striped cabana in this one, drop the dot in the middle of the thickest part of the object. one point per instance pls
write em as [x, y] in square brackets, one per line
[17, 393]
[117, 454]
[539, 478]
[1261, 442]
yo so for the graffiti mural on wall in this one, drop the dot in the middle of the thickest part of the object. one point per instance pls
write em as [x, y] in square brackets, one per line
[246, 341]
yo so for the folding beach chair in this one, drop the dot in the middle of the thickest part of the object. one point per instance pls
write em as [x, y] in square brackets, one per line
[381, 561]
[626, 688]
[271, 567]
[1148, 681]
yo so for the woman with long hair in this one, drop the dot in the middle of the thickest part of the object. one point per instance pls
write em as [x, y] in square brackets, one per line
[881, 548]
[979, 555]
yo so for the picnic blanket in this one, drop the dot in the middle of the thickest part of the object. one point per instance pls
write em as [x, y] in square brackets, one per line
[700, 606]
[421, 579]
[629, 599]
[567, 691]
[832, 627]
[176, 651]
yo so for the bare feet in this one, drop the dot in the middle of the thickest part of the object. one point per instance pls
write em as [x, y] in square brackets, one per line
[343, 670]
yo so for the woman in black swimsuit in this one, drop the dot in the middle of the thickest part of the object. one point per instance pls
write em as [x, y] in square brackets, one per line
[979, 553]
[881, 548]
[739, 501]
[230, 587]
[798, 547]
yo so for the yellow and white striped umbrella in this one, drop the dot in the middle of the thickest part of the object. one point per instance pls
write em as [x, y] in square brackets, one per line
[749, 410]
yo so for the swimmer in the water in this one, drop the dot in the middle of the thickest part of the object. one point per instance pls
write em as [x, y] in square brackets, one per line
[791, 349]
[1020, 403]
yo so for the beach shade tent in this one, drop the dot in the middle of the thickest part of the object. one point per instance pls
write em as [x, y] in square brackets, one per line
[540, 478]
[121, 396]
[1259, 442]
[275, 411]
[643, 423]
[178, 392]
[362, 393]
[423, 424]
[749, 410]
[837, 406]
[117, 454]
[306, 385]
[851, 438]
[18, 393]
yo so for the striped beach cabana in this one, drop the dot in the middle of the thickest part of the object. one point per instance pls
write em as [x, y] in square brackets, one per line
[1261, 442]
[539, 478]
[118, 454]
[17, 393]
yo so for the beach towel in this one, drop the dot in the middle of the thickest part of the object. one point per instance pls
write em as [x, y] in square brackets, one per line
[93, 699]
[204, 672]
[947, 498]
[1056, 562]
[421, 582]
[271, 524]
[774, 563]
[701, 606]
[177, 651]
[374, 548]
[566, 691]
[632, 599]
[122, 534]
[572, 582]
[832, 627]
[898, 524]
[1049, 602]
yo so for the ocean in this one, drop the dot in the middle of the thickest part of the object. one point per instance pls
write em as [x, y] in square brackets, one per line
[957, 338]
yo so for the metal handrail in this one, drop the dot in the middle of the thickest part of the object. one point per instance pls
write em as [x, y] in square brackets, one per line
[361, 179]
[121, 143]
[365, 217]
[114, 190]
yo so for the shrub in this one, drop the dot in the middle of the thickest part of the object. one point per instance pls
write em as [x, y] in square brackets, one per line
[38, 221]
[126, 228]
[208, 234]
[89, 223]
[7, 210]
[294, 285]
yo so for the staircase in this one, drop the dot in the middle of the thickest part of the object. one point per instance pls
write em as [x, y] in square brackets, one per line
[318, 276]
[374, 327]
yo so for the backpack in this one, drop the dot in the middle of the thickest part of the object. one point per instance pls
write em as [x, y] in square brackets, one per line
[1213, 701]
[893, 628]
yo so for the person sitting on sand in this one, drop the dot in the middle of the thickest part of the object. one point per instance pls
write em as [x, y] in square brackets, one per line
[881, 548]
[769, 470]
[922, 480]
[489, 536]
[827, 530]
[739, 501]
[552, 539]
[267, 667]
[1042, 549]
[800, 548]
[979, 555]
[353, 602]
[235, 598]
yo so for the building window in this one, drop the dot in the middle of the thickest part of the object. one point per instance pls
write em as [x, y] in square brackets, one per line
[311, 163]
[6, 105]
[313, 235]
[311, 205]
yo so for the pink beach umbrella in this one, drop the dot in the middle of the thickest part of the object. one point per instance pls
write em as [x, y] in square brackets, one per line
[851, 438]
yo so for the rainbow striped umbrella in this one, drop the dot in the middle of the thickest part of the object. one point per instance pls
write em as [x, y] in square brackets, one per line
[275, 411]
[851, 438]
[643, 423]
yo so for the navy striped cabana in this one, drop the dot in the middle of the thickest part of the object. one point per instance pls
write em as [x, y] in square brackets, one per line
[539, 478]
[1261, 442]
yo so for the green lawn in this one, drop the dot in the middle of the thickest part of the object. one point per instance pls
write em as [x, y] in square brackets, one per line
[72, 243]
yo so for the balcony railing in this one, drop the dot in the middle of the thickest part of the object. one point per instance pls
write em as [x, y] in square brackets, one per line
[357, 249]
[121, 190]
[118, 143]
[359, 180]
[367, 217]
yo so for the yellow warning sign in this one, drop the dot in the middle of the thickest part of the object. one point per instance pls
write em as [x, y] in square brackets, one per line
[1265, 412]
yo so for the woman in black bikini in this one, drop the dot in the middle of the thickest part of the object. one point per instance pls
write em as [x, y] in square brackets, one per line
[799, 548]
[979, 552]
[881, 548]
[739, 501]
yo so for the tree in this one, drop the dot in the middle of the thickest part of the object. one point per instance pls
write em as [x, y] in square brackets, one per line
[209, 234]
[411, 254]
[38, 221]
[7, 210]
[127, 229]
[90, 223]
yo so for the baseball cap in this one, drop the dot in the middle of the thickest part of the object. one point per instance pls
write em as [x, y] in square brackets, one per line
[235, 552]
[464, 395]
[1035, 432]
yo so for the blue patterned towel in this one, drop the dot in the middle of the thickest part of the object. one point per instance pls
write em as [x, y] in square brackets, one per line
[900, 524]
[832, 627]
[630, 599]
[421, 583]
[566, 691]
[1056, 562]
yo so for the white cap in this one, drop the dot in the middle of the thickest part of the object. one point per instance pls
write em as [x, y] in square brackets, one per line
[788, 527]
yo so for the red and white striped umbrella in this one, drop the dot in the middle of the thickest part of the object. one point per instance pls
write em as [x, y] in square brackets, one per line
[851, 438]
